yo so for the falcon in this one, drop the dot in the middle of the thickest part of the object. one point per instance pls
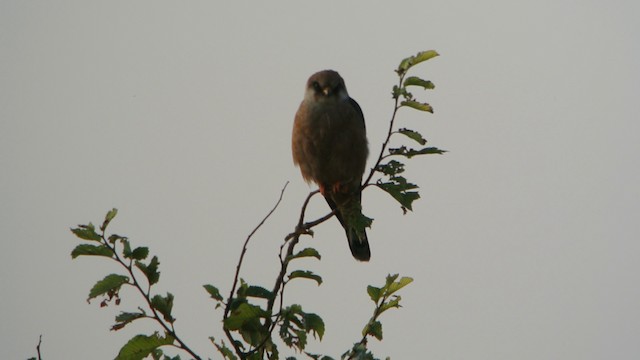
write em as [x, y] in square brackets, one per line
[329, 144]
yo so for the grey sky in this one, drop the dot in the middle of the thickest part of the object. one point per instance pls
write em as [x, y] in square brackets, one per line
[523, 246]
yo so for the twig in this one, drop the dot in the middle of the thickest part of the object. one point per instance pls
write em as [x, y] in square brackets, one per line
[227, 308]
[292, 239]
[146, 295]
[386, 141]
[38, 348]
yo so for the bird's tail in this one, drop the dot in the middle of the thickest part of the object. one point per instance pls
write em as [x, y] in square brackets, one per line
[359, 245]
[348, 214]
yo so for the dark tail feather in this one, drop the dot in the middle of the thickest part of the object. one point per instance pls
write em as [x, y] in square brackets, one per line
[359, 246]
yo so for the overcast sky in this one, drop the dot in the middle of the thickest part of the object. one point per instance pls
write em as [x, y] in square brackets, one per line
[525, 244]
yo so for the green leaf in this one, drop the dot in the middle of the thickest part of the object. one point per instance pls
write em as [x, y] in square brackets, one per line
[417, 105]
[115, 237]
[314, 323]
[409, 153]
[125, 318]
[259, 292]
[140, 253]
[374, 293]
[399, 191]
[318, 356]
[126, 250]
[107, 219]
[246, 320]
[242, 314]
[393, 303]
[88, 249]
[393, 167]
[416, 81]
[86, 232]
[413, 135]
[305, 274]
[214, 292]
[110, 284]
[359, 351]
[140, 346]
[295, 324]
[308, 252]
[407, 63]
[224, 350]
[389, 280]
[374, 329]
[397, 285]
[151, 270]
[164, 305]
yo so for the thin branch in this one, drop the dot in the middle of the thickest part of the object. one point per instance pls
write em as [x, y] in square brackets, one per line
[38, 348]
[304, 207]
[146, 295]
[227, 308]
[389, 133]
[309, 225]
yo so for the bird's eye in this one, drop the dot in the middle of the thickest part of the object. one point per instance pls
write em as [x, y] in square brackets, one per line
[316, 86]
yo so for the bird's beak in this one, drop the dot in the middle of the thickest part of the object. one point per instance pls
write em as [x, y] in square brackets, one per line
[326, 91]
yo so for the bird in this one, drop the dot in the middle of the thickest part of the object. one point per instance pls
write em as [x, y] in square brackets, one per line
[329, 145]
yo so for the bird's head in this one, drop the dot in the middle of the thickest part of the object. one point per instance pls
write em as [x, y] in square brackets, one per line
[326, 85]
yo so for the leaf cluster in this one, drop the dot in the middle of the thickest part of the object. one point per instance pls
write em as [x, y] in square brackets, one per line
[390, 163]
[138, 273]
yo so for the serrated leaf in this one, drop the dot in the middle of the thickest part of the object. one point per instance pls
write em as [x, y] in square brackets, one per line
[416, 81]
[374, 293]
[140, 346]
[425, 151]
[400, 193]
[308, 252]
[295, 324]
[397, 92]
[110, 283]
[86, 232]
[151, 270]
[115, 237]
[413, 135]
[393, 167]
[164, 305]
[409, 153]
[417, 105]
[242, 314]
[126, 249]
[314, 323]
[397, 285]
[393, 303]
[140, 253]
[374, 329]
[224, 350]
[214, 292]
[389, 280]
[88, 249]
[407, 63]
[318, 356]
[306, 275]
[125, 318]
[259, 292]
[107, 219]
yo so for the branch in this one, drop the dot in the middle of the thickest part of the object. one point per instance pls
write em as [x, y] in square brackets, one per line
[146, 295]
[227, 308]
[38, 348]
[389, 133]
